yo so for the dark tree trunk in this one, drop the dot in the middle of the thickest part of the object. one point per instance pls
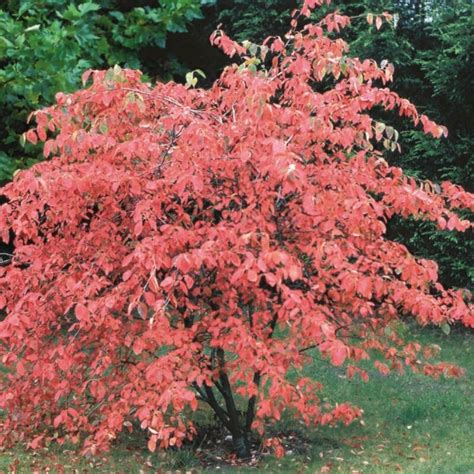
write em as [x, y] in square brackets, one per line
[241, 446]
[238, 424]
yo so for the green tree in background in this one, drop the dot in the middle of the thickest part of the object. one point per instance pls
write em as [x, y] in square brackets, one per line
[442, 84]
[254, 20]
[46, 44]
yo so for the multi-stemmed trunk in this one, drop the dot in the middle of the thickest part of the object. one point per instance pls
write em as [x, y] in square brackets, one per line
[239, 426]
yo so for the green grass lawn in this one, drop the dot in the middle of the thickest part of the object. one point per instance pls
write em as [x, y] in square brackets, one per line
[412, 424]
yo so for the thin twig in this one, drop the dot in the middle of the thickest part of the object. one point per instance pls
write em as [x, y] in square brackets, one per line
[172, 101]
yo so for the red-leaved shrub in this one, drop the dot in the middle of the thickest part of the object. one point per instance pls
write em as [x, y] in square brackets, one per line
[185, 246]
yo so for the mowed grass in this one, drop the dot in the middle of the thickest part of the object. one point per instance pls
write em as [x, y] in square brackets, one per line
[412, 424]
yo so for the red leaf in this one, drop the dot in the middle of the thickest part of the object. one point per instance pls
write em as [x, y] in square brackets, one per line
[167, 283]
[294, 272]
[36, 442]
[152, 443]
[252, 276]
[82, 313]
[32, 137]
[338, 353]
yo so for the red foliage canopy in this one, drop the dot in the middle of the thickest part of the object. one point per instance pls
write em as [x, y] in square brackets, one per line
[185, 246]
